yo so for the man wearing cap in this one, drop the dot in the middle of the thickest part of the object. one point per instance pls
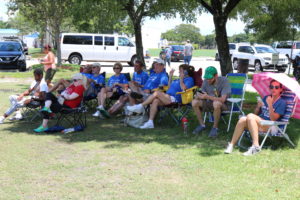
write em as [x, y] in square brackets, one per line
[188, 52]
[212, 98]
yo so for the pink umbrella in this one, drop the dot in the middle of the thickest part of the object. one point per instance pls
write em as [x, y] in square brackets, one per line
[261, 83]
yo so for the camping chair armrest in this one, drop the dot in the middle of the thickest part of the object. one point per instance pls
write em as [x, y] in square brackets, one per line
[235, 100]
[187, 90]
[272, 123]
[165, 88]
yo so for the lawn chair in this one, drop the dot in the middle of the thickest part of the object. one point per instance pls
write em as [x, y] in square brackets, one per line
[73, 116]
[179, 110]
[238, 87]
[90, 100]
[32, 111]
[277, 128]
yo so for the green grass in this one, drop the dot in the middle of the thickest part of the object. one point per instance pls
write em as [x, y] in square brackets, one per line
[109, 161]
[35, 53]
[196, 53]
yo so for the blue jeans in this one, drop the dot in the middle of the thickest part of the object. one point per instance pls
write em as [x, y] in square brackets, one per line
[187, 59]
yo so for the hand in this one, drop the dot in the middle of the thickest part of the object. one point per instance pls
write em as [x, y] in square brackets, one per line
[172, 72]
[20, 98]
[269, 100]
[116, 84]
[202, 96]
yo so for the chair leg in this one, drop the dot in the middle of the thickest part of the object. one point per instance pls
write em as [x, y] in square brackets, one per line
[230, 116]
[289, 140]
[265, 138]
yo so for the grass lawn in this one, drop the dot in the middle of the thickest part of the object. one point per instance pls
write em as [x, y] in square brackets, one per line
[196, 53]
[109, 161]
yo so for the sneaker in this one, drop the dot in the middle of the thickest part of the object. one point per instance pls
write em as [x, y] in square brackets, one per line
[213, 133]
[229, 148]
[96, 114]
[147, 125]
[2, 118]
[138, 108]
[40, 129]
[251, 151]
[45, 109]
[103, 112]
[198, 129]
[18, 116]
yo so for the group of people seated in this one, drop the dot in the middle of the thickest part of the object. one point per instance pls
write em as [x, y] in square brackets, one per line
[144, 90]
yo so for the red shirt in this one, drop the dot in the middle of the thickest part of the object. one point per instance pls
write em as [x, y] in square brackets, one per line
[74, 102]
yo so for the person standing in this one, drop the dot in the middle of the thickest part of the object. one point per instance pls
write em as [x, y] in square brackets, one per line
[49, 64]
[188, 52]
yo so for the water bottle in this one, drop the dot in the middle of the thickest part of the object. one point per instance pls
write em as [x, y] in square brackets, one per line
[184, 122]
[68, 130]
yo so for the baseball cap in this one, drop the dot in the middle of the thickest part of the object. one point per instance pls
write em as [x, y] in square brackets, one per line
[77, 76]
[96, 64]
[160, 61]
[210, 72]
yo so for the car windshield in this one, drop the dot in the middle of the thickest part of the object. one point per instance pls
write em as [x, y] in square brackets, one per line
[265, 50]
[231, 46]
[177, 48]
[10, 46]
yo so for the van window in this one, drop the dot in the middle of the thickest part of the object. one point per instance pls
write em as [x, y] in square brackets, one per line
[78, 39]
[109, 41]
[124, 42]
[98, 40]
[284, 45]
[298, 45]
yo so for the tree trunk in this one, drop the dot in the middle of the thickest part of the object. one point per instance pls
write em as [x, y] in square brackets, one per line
[222, 43]
[58, 50]
[139, 41]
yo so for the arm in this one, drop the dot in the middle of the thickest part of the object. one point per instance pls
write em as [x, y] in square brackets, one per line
[51, 59]
[273, 115]
[171, 76]
[72, 96]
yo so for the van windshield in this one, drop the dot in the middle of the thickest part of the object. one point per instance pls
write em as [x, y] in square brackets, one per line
[265, 50]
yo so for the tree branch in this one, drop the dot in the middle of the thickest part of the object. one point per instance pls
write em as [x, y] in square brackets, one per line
[230, 6]
[207, 6]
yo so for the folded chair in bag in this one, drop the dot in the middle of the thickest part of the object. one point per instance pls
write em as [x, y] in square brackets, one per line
[72, 116]
[238, 83]
[277, 128]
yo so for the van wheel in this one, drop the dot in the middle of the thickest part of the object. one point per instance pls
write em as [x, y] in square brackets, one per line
[257, 66]
[133, 60]
[75, 59]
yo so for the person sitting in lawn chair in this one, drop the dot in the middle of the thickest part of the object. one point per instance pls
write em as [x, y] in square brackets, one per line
[115, 88]
[95, 82]
[139, 79]
[159, 98]
[35, 94]
[158, 78]
[272, 107]
[71, 97]
[212, 97]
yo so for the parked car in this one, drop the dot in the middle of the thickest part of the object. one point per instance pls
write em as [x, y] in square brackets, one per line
[16, 39]
[12, 56]
[76, 47]
[286, 47]
[260, 57]
[232, 47]
[177, 52]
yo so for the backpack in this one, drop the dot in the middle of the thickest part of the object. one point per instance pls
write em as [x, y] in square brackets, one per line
[135, 120]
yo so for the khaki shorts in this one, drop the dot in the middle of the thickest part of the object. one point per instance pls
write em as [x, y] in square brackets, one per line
[207, 106]
[50, 74]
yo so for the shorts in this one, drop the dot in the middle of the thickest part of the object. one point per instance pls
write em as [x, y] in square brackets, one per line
[50, 74]
[173, 99]
[207, 106]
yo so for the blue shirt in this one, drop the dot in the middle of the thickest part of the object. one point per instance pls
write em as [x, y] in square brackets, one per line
[140, 78]
[175, 87]
[87, 75]
[279, 107]
[98, 79]
[155, 80]
[117, 79]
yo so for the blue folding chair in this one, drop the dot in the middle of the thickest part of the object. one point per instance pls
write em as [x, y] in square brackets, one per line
[277, 128]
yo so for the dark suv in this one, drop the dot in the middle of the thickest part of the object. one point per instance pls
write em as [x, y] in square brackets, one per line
[12, 56]
[177, 52]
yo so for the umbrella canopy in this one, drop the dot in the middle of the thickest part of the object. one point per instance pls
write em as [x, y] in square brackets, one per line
[261, 83]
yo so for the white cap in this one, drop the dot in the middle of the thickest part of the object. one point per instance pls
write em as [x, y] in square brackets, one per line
[160, 61]
[77, 76]
[96, 64]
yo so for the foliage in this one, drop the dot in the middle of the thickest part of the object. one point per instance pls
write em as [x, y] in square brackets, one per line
[209, 41]
[271, 19]
[184, 32]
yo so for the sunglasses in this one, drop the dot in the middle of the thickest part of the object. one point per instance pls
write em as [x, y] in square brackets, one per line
[75, 80]
[274, 87]
[117, 68]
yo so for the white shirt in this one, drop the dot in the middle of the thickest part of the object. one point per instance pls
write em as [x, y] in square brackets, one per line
[42, 87]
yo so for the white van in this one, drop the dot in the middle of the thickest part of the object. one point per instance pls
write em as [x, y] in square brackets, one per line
[286, 47]
[76, 47]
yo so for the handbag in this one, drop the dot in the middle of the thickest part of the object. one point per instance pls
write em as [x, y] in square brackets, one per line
[135, 120]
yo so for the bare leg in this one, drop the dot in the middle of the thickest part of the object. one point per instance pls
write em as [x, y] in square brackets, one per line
[197, 104]
[132, 101]
[45, 122]
[154, 108]
[239, 129]
[217, 112]
[118, 105]
[253, 126]
[102, 96]
[164, 98]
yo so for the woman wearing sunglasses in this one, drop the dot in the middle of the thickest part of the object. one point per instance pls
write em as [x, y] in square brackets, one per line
[271, 107]
[71, 97]
[115, 86]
